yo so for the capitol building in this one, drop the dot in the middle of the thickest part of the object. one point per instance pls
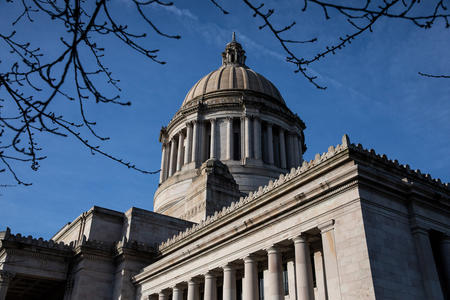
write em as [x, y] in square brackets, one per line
[240, 215]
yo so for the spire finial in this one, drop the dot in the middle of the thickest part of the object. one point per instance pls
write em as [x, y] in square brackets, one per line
[234, 37]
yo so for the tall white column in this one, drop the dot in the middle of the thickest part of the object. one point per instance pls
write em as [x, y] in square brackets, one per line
[193, 290]
[242, 138]
[257, 138]
[282, 149]
[212, 150]
[270, 143]
[330, 259]
[321, 293]
[180, 150]
[303, 272]
[229, 283]
[195, 151]
[172, 161]
[188, 150]
[229, 145]
[296, 151]
[177, 293]
[163, 164]
[248, 137]
[250, 280]
[5, 278]
[275, 272]
[210, 287]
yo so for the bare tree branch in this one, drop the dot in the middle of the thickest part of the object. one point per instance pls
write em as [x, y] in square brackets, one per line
[34, 79]
[361, 18]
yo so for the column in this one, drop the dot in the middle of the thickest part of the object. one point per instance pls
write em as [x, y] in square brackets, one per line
[445, 259]
[229, 146]
[177, 293]
[303, 273]
[427, 264]
[330, 259]
[188, 150]
[193, 290]
[172, 157]
[275, 272]
[296, 151]
[210, 287]
[180, 150]
[163, 295]
[248, 142]
[242, 139]
[162, 175]
[229, 283]
[320, 276]
[5, 279]
[257, 138]
[282, 149]
[212, 150]
[195, 152]
[250, 280]
[270, 143]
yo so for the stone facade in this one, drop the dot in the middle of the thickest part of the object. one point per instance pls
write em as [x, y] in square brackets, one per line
[349, 224]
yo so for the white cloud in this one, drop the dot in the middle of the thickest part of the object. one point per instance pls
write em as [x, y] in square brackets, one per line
[180, 12]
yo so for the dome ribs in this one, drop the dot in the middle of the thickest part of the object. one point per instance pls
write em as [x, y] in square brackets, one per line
[232, 79]
[219, 78]
[258, 80]
[206, 82]
[225, 79]
[244, 78]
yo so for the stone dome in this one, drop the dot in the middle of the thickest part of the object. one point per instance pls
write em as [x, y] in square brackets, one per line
[233, 77]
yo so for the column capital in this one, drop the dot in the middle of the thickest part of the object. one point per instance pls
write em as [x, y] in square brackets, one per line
[326, 226]
[269, 124]
[212, 120]
[301, 238]
[418, 229]
[251, 258]
[194, 281]
[211, 274]
[229, 267]
[181, 133]
[273, 249]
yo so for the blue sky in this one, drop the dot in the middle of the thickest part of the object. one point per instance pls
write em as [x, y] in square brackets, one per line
[374, 95]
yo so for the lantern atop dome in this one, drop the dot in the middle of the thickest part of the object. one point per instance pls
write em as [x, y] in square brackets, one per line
[233, 54]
